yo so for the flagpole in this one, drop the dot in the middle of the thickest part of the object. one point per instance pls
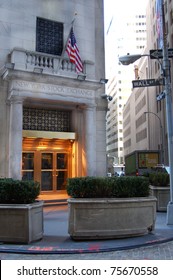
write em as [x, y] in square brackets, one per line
[65, 46]
[169, 115]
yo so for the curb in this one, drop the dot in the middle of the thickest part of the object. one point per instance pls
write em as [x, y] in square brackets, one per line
[56, 250]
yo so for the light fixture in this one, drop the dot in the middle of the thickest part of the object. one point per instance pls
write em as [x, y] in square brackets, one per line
[38, 70]
[71, 141]
[103, 81]
[130, 59]
[81, 77]
[4, 69]
[108, 97]
[5, 74]
[9, 65]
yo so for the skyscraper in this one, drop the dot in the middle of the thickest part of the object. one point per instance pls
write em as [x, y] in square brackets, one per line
[125, 33]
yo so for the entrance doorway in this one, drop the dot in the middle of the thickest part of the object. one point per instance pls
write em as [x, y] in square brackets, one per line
[48, 168]
[53, 171]
[47, 162]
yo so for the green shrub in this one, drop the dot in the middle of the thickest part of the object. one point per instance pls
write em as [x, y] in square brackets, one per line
[18, 192]
[159, 179]
[99, 187]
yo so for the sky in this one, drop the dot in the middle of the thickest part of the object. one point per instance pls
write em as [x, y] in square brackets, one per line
[121, 8]
[118, 11]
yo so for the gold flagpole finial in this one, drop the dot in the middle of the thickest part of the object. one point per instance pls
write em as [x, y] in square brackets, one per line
[75, 14]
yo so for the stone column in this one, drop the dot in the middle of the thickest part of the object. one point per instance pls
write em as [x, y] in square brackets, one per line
[15, 138]
[90, 140]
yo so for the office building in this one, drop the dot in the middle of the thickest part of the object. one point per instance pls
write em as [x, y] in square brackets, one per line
[144, 116]
[125, 33]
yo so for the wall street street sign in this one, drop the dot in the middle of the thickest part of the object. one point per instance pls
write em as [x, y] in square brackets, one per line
[147, 83]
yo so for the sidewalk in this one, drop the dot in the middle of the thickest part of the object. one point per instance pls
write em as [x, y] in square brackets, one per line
[57, 241]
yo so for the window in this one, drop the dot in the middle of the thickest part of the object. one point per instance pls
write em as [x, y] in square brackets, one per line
[46, 119]
[49, 36]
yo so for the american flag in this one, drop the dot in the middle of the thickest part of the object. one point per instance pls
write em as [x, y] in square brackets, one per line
[159, 23]
[73, 52]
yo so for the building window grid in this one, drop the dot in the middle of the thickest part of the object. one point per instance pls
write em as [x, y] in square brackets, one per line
[49, 36]
[141, 135]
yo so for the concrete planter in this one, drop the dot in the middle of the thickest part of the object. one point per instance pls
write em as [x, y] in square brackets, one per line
[162, 193]
[21, 223]
[111, 218]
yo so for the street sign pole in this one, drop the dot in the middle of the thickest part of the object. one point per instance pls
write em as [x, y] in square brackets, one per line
[169, 116]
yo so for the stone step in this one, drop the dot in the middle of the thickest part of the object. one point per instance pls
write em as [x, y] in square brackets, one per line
[55, 202]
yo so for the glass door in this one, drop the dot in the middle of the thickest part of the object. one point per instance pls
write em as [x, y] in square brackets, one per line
[61, 170]
[28, 166]
[54, 167]
[47, 171]
[48, 168]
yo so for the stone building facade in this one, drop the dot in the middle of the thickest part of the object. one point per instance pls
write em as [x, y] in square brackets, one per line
[52, 119]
